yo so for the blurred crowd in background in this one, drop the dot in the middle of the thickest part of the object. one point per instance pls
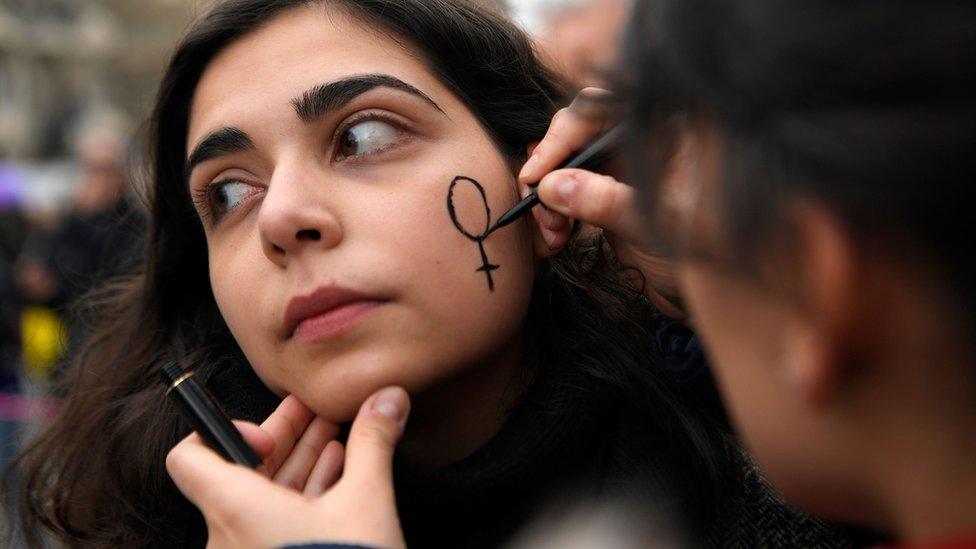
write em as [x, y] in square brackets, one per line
[76, 77]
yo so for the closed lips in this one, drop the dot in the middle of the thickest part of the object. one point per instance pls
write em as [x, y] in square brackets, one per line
[331, 301]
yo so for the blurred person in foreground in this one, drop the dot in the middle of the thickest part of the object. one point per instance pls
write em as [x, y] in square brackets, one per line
[816, 222]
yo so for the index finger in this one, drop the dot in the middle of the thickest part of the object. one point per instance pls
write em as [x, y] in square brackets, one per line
[286, 426]
[571, 129]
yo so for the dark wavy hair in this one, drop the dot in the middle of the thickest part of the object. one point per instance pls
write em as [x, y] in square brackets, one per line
[866, 107]
[96, 477]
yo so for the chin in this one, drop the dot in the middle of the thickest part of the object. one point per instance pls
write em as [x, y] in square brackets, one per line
[338, 391]
[335, 386]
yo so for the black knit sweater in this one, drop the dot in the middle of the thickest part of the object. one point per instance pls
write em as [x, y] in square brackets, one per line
[569, 440]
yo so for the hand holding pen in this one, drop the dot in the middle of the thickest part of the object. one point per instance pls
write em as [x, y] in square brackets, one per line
[307, 488]
[599, 200]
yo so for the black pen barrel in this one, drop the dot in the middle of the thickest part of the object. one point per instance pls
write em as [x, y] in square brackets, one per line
[591, 157]
[207, 418]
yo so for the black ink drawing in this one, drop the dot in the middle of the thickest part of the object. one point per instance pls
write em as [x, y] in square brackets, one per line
[479, 238]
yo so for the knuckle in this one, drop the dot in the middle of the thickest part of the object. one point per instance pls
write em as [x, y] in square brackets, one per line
[292, 431]
[295, 483]
[602, 200]
[175, 459]
[561, 115]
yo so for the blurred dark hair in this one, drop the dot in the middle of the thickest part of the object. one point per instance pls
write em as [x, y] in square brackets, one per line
[97, 476]
[867, 107]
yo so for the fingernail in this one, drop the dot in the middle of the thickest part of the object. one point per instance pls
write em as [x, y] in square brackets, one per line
[392, 403]
[529, 166]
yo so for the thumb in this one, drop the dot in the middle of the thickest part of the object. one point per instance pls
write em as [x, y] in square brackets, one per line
[374, 435]
[599, 200]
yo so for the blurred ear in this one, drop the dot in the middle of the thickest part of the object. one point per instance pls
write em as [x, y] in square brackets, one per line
[817, 346]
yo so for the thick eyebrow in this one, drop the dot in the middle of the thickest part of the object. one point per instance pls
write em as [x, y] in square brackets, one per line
[314, 103]
[219, 143]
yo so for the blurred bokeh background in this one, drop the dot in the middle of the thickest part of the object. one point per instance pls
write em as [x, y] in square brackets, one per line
[76, 77]
[76, 80]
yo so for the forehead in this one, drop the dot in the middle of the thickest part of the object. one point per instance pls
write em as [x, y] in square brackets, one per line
[260, 73]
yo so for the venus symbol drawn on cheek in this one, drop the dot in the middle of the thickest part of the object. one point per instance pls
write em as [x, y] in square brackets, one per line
[472, 217]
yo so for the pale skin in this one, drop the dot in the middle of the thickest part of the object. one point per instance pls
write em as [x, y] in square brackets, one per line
[825, 431]
[309, 488]
[351, 196]
[244, 516]
[380, 227]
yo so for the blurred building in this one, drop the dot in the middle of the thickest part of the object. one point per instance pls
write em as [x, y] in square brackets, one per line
[64, 63]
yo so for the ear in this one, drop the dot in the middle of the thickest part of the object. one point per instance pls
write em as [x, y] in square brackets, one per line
[817, 347]
[550, 230]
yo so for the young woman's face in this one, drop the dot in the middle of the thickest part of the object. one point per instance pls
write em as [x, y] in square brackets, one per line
[322, 155]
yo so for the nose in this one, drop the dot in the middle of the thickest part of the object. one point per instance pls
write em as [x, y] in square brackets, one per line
[296, 216]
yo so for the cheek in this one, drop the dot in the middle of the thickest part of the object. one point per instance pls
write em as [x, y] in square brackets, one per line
[236, 278]
[459, 298]
[227, 280]
[465, 277]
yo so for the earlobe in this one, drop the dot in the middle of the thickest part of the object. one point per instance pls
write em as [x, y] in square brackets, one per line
[809, 368]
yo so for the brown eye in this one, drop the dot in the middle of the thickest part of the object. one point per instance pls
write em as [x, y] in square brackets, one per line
[366, 137]
[223, 196]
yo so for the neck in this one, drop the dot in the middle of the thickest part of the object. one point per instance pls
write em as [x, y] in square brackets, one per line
[929, 482]
[913, 409]
[915, 446]
[452, 420]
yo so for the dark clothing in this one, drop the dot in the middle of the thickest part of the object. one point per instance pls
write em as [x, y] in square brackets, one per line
[86, 249]
[568, 441]
[82, 253]
[13, 230]
[93, 247]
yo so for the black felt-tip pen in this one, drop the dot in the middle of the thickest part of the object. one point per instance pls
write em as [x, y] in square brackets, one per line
[591, 156]
[207, 417]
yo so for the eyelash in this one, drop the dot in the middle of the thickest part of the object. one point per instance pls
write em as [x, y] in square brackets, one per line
[203, 197]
